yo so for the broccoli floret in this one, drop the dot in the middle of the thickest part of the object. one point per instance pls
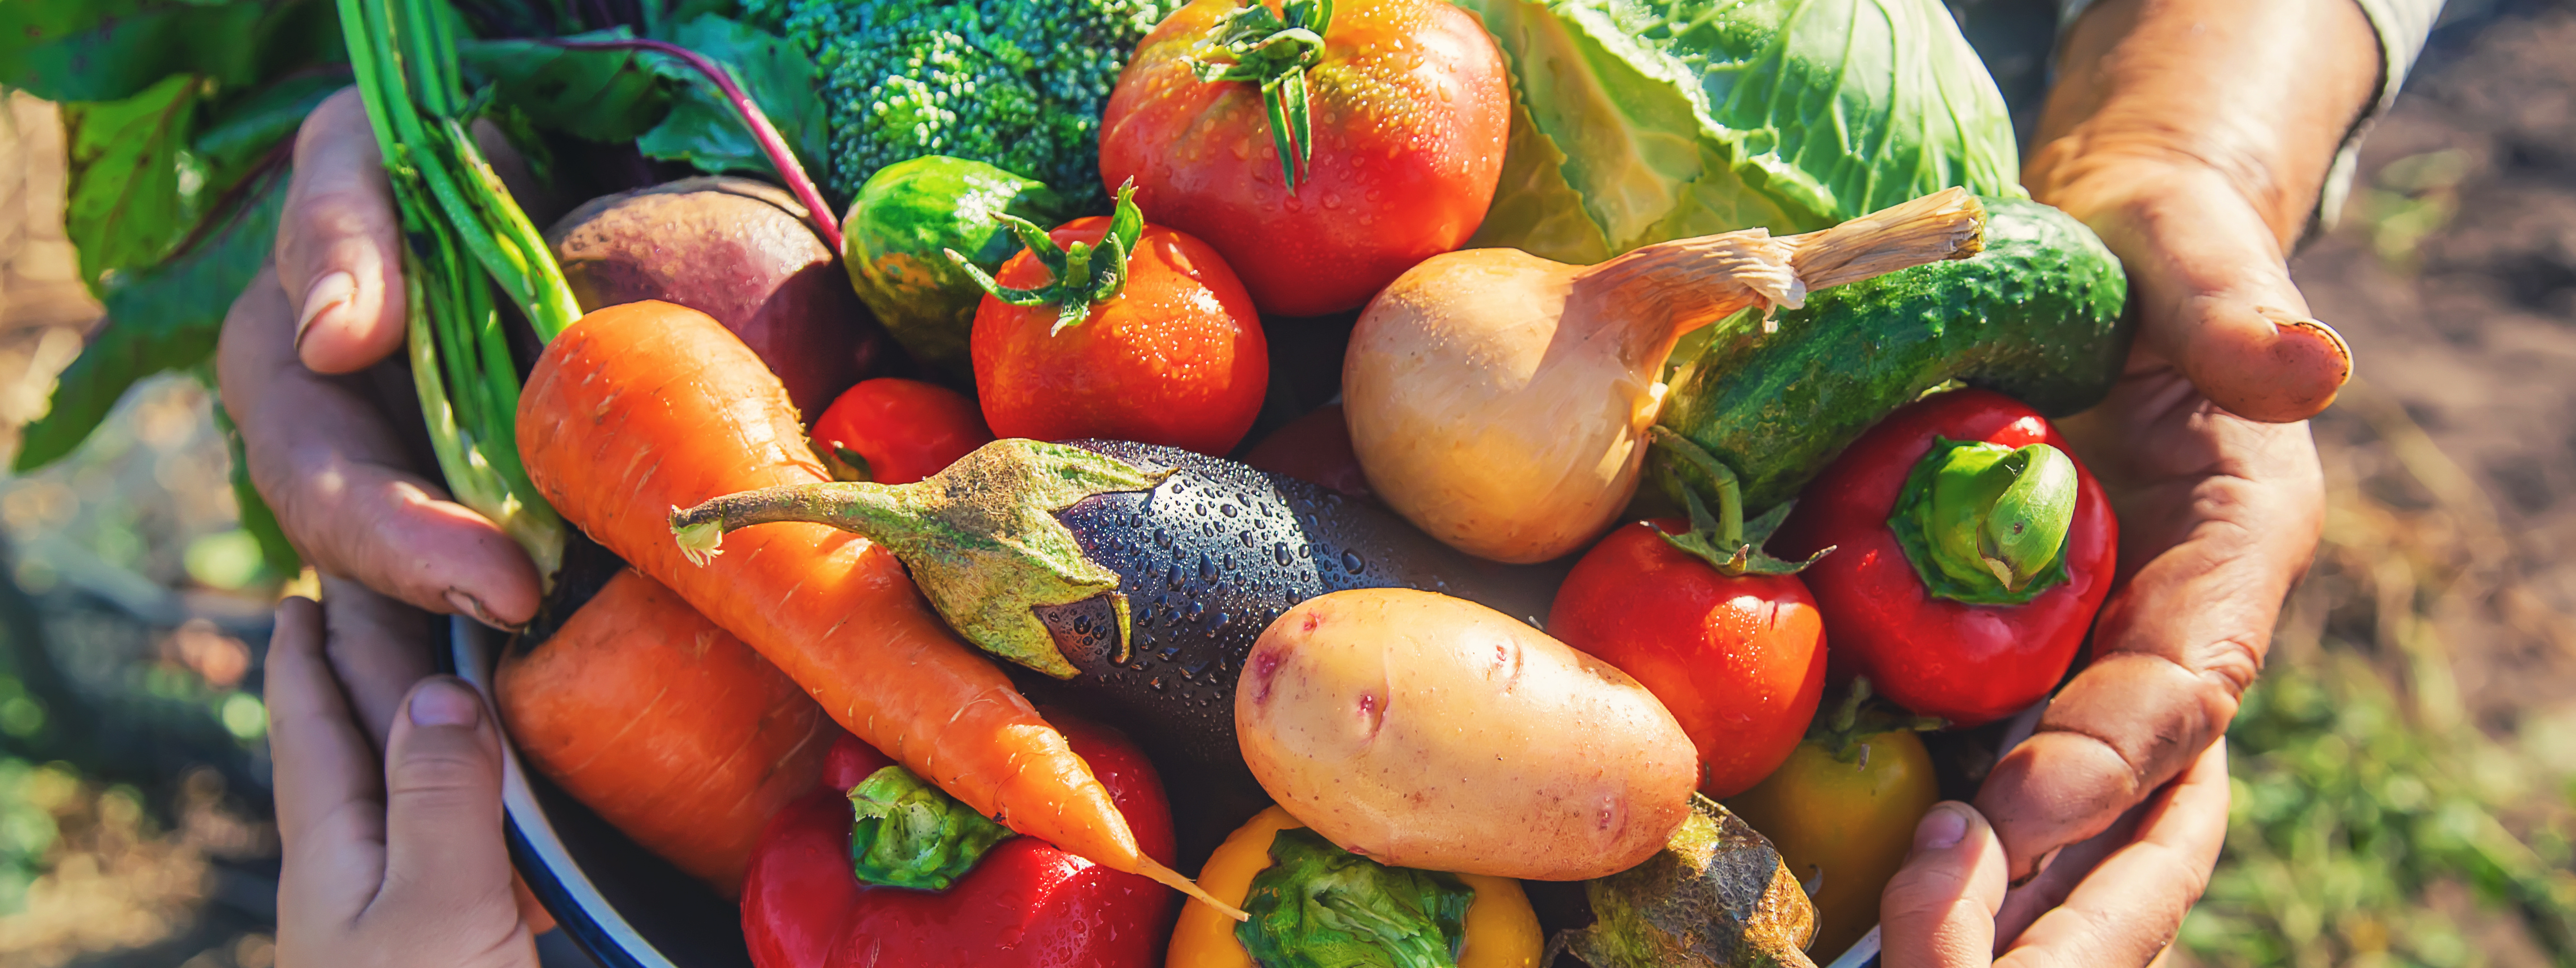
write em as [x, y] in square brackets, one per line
[1018, 84]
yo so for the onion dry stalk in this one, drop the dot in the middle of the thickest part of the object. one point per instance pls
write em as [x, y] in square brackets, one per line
[1500, 401]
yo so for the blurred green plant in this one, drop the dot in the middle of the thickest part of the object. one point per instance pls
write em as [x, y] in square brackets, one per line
[2362, 789]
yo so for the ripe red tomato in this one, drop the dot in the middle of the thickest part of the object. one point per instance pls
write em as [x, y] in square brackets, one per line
[1025, 905]
[1740, 661]
[903, 430]
[1409, 103]
[1176, 359]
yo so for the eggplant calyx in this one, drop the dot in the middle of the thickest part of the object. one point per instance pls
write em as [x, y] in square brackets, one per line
[1319, 906]
[905, 832]
[1725, 540]
[1272, 51]
[981, 538]
[1986, 524]
[1080, 275]
[1717, 895]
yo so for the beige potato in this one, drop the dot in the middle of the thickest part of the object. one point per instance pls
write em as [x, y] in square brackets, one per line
[1425, 731]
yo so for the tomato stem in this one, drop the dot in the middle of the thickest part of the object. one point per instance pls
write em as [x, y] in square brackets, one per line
[1256, 46]
[1081, 275]
[1724, 540]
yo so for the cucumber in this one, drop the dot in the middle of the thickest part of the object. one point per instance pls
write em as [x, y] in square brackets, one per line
[896, 239]
[2037, 316]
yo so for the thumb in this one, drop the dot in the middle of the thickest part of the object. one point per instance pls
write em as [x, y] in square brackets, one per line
[338, 247]
[1940, 908]
[2213, 295]
[443, 846]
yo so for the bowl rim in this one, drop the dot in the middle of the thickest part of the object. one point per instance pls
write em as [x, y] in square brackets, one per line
[608, 938]
[536, 850]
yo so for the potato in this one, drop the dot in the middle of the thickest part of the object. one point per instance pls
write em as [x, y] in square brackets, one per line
[1425, 731]
[738, 250]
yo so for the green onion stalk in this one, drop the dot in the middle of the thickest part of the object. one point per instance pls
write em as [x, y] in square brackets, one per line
[458, 219]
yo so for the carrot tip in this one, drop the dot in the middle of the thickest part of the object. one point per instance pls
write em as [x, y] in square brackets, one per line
[698, 542]
[1173, 879]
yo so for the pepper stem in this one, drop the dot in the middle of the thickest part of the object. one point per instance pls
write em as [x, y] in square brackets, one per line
[1256, 46]
[1986, 524]
[980, 538]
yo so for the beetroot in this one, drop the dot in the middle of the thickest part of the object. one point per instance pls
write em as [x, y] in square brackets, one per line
[738, 250]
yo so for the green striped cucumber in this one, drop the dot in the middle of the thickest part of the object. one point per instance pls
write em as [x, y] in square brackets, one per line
[2037, 316]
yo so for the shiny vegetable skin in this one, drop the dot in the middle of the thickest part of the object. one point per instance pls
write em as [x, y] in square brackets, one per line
[2037, 315]
[900, 430]
[897, 236]
[1026, 904]
[1740, 660]
[737, 249]
[1502, 930]
[1843, 821]
[666, 726]
[646, 406]
[1423, 731]
[1177, 358]
[1968, 664]
[1208, 559]
[1410, 104]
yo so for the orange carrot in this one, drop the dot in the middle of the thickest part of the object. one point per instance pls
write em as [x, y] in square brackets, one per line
[664, 725]
[646, 407]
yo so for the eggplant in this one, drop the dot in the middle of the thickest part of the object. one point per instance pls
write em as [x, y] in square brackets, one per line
[1137, 575]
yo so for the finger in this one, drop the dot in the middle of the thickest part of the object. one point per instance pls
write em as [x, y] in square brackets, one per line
[443, 846]
[328, 462]
[330, 813]
[2213, 295]
[1940, 907]
[379, 649]
[2212, 558]
[338, 239]
[2129, 908]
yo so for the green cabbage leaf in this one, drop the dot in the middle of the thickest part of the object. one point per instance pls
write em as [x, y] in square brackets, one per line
[1638, 121]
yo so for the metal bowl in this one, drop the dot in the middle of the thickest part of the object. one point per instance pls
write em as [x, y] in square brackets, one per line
[623, 906]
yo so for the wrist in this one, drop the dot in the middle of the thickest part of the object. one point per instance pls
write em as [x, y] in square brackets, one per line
[2255, 99]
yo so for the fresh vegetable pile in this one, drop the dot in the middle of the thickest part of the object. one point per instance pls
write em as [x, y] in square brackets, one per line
[1694, 367]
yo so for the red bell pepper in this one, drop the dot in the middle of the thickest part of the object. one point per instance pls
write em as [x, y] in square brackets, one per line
[1025, 904]
[1971, 553]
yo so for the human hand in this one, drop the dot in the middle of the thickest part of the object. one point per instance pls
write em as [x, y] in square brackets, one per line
[2193, 136]
[390, 868]
[304, 371]
[1948, 906]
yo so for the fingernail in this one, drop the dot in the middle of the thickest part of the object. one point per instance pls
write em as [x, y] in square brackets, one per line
[1941, 829]
[472, 607]
[332, 290]
[440, 702]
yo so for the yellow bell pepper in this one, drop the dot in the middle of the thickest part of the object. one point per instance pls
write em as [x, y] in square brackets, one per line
[1502, 931]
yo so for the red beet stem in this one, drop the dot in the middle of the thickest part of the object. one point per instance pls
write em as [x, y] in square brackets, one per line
[771, 143]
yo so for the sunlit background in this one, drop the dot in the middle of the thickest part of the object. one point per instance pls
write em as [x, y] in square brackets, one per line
[2404, 773]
